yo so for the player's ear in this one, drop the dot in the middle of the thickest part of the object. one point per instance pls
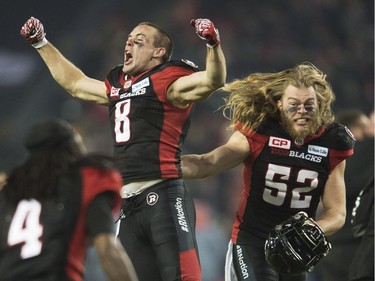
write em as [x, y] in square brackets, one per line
[159, 52]
[279, 104]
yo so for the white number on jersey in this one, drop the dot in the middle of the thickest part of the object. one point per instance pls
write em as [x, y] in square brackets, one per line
[122, 122]
[25, 228]
[299, 200]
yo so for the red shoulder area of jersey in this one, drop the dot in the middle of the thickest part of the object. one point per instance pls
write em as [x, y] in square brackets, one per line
[96, 181]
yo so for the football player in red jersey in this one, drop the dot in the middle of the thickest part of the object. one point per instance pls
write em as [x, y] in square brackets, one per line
[55, 204]
[150, 98]
[293, 156]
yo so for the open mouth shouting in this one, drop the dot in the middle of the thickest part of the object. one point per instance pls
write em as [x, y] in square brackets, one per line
[128, 58]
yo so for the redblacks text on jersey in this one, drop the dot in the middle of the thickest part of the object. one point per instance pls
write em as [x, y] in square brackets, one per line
[147, 130]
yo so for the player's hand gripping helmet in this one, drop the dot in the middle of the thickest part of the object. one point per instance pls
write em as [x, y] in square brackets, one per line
[296, 245]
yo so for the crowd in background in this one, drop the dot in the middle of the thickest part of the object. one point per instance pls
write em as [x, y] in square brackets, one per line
[257, 36]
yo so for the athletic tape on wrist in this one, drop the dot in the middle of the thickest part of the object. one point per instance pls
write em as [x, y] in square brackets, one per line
[212, 46]
[41, 43]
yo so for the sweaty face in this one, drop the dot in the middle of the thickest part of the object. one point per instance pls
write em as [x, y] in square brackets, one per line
[140, 52]
[299, 112]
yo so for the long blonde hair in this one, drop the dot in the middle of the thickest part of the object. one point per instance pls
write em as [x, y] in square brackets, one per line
[253, 99]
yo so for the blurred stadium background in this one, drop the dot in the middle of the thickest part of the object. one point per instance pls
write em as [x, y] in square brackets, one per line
[257, 36]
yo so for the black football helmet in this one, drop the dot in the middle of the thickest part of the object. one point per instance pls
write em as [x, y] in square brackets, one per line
[296, 245]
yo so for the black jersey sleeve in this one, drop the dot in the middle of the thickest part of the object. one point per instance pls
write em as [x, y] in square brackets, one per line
[344, 140]
[341, 143]
[112, 77]
[99, 215]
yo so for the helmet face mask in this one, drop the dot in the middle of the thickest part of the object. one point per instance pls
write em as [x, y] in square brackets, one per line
[296, 245]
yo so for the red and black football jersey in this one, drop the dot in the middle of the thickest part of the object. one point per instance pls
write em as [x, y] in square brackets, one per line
[147, 130]
[47, 239]
[281, 178]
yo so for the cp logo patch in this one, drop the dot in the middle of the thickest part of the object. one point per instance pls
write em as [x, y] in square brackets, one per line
[152, 198]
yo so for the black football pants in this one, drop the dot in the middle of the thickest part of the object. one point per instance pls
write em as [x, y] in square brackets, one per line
[158, 233]
[249, 264]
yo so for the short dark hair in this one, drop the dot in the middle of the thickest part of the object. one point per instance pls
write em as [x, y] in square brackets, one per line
[162, 39]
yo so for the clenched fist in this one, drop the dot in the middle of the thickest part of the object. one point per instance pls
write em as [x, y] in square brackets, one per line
[33, 32]
[207, 31]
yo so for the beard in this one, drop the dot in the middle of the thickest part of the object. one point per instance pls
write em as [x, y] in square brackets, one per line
[303, 132]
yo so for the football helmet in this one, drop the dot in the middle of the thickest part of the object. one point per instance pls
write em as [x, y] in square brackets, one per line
[296, 245]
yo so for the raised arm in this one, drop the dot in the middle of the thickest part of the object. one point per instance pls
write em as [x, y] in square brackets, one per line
[334, 203]
[62, 70]
[113, 258]
[223, 158]
[200, 85]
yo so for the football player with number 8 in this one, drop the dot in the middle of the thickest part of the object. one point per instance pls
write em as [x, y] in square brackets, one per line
[150, 98]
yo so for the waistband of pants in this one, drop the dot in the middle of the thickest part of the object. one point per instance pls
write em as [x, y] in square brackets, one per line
[135, 188]
[134, 204]
[161, 185]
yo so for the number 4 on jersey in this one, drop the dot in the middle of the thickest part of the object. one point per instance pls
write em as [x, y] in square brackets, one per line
[25, 228]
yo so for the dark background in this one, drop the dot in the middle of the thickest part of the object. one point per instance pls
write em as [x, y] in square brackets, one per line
[336, 36]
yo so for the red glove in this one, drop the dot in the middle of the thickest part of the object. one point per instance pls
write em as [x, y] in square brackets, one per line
[33, 32]
[207, 31]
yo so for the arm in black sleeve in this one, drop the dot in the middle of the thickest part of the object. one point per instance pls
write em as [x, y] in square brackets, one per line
[112, 256]
[99, 215]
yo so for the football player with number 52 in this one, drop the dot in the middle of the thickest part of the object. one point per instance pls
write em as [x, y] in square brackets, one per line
[293, 156]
